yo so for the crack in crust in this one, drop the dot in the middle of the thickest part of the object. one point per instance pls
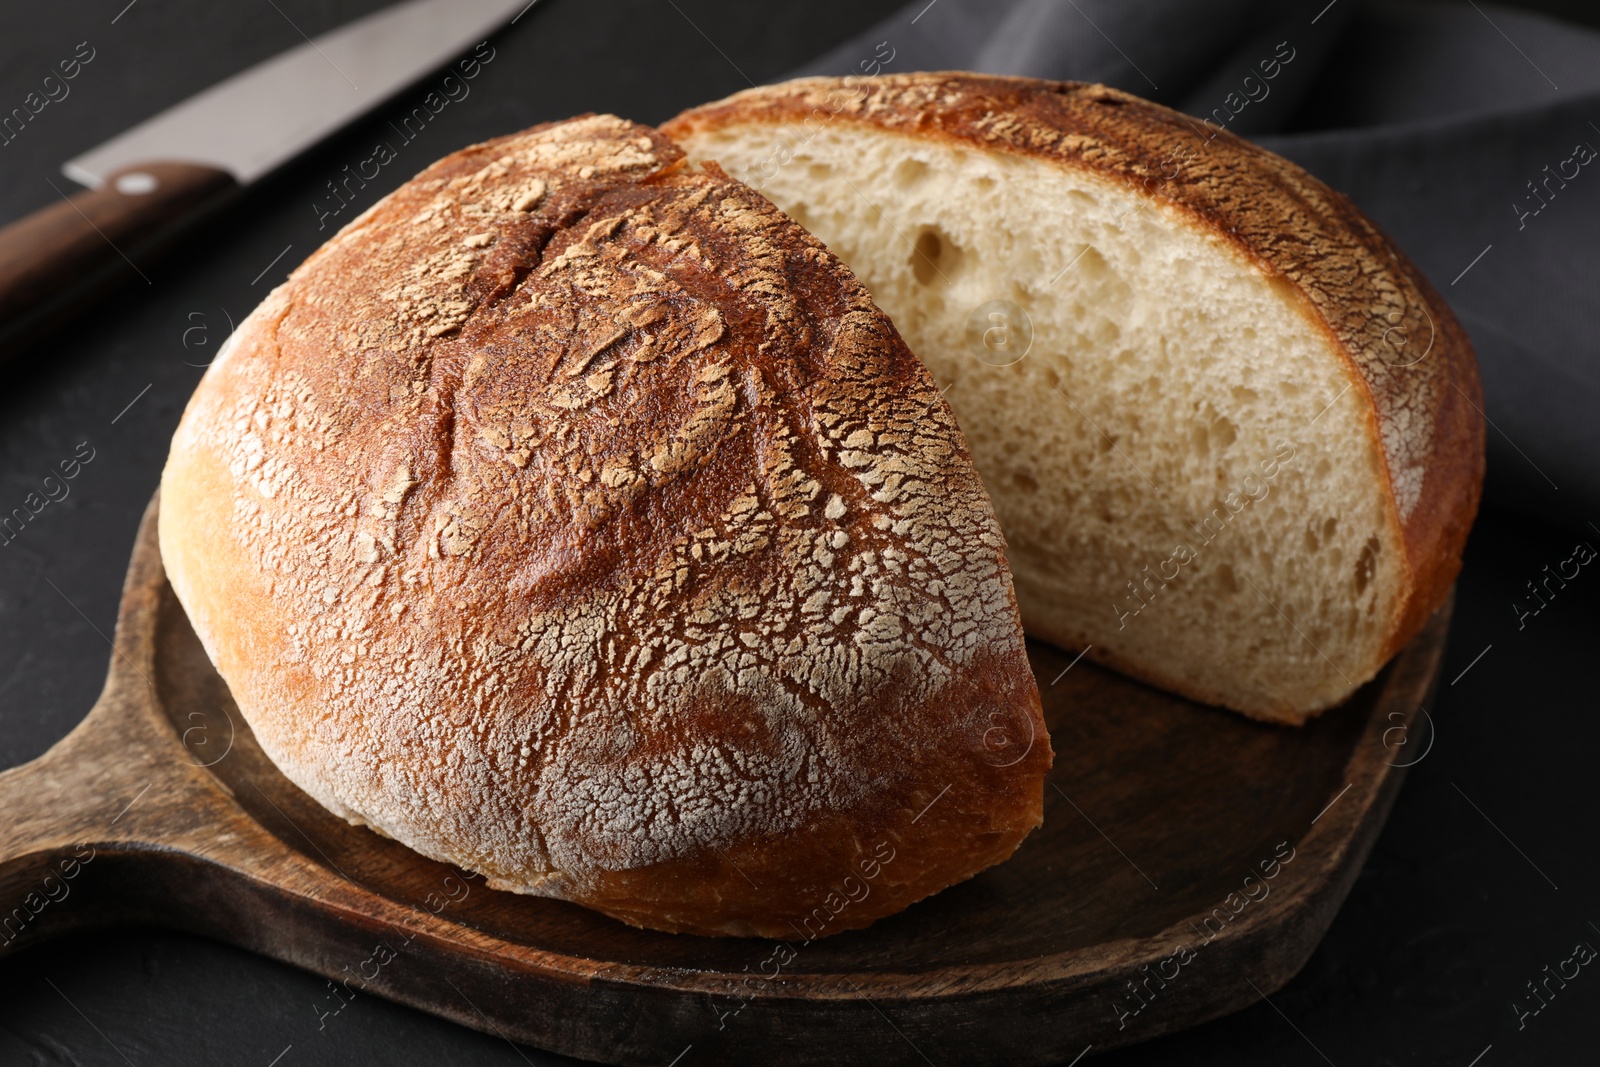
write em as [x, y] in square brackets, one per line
[575, 517]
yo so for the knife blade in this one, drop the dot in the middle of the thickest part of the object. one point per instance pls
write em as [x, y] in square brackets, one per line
[149, 181]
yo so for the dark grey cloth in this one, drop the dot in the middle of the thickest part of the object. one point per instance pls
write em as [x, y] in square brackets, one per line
[1467, 131]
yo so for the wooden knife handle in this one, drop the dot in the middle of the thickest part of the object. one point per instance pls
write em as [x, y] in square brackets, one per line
[63, 255]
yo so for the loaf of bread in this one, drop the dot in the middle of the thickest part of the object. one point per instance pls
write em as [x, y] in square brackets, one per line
[1232, 435]
[575, 517]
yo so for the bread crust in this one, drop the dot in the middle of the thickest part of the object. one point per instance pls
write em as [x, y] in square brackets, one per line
[573, 516]
[1402, 348]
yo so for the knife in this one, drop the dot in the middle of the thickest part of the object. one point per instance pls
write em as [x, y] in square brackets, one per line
[147, 183]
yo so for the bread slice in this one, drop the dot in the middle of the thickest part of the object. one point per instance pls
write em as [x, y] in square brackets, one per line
[1231, 434]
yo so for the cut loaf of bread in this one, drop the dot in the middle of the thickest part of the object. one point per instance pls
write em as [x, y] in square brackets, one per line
[573, 516]
[1231, 434]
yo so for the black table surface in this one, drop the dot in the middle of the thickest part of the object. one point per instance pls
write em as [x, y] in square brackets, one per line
[1485, 874]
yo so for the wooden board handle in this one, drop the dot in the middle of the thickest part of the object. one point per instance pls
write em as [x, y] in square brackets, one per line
[46, 840]
[85, 819]
[61, 256]
[121, 814]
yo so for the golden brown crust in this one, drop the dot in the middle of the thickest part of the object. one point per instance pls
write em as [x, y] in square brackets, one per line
[1403, 346]
[575, 517]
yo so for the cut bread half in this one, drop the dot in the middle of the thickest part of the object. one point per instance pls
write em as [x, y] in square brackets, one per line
[1231, 434]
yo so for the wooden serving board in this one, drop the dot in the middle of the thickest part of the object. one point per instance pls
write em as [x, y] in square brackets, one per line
[1189, 862]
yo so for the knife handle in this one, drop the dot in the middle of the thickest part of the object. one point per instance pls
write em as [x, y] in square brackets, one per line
[57, 259]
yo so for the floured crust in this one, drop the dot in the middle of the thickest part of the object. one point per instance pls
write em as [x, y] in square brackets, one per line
[1405, 353]
[575, 517]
